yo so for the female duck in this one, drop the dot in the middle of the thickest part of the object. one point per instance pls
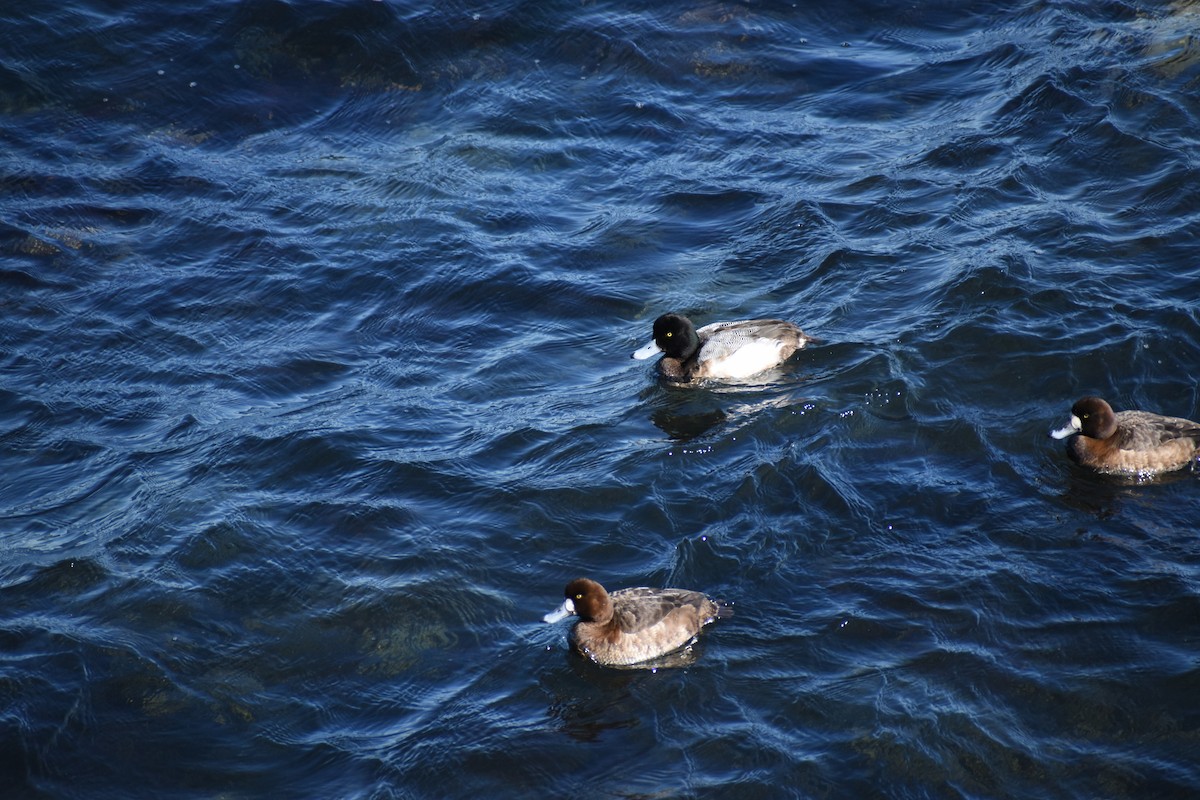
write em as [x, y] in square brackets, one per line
[630, 626]
[722, 350]
[1128, 442]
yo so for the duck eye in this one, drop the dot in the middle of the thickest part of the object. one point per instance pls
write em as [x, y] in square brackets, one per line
[579, 596]
[669, 334]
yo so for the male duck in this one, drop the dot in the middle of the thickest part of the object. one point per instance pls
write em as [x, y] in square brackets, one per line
[722, 350]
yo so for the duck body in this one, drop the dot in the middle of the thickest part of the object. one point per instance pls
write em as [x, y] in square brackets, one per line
[1128, 442]
[721, 350]
[631, 626]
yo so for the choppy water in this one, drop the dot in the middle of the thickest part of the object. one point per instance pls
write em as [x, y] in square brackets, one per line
[315, 389]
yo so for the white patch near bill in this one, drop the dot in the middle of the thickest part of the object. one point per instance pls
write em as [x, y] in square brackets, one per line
[1074, 426]
[562, 612]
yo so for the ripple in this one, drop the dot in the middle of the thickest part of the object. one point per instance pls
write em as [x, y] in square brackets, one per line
[315, 343]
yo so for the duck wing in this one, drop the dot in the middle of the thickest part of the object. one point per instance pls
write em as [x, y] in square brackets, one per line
[642, 608]
[1141, 430]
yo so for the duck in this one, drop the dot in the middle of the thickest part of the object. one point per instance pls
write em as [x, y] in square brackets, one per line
[632, 626]
[1128, 442]
[720, 350]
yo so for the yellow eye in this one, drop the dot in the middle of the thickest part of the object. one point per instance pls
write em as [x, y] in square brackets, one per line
[579, 596]
[669, 334]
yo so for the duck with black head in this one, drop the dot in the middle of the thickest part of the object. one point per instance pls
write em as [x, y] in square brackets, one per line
[721, 350]
[1128, 442]
[633, 626]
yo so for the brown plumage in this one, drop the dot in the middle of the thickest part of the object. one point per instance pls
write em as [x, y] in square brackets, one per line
[1128, 442]
[630, 626]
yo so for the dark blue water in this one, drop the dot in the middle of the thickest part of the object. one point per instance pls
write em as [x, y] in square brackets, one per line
[315, 389]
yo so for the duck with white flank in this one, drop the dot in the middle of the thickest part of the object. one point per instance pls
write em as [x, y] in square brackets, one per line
[722, 350]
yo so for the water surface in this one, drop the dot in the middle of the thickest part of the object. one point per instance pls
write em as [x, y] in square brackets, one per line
[315, 389]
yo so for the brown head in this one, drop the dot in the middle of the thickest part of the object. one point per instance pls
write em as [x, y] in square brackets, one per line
[1096, 418]
[590, 600]
[1091, 417]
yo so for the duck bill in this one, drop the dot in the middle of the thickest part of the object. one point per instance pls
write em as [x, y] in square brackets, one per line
[646, 351]
[1069, 429]
[560, 613]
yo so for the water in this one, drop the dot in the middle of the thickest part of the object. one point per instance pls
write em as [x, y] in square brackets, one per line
[315, 326]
